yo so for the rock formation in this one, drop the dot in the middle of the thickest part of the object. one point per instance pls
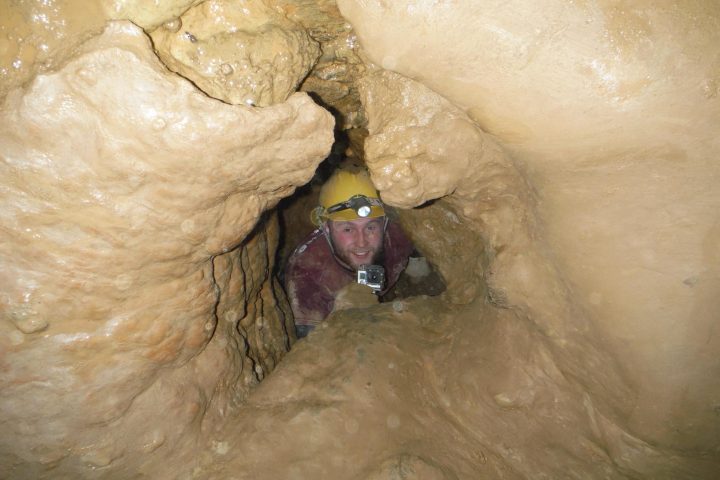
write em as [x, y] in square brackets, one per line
[608, 111]
[239, 52]
[138, 289]
[555, 160]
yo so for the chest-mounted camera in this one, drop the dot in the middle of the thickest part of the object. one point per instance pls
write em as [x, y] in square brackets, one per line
[373, 276]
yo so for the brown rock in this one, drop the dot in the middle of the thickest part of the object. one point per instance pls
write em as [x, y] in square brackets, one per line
[126, 198]
[238, 52]
[564, 156]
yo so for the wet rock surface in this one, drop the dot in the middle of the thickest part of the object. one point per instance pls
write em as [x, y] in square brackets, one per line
[132, 300]
[239, 52]
[567, 90]
[563, 155]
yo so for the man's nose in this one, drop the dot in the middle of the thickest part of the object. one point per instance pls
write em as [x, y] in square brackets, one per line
[362, 239]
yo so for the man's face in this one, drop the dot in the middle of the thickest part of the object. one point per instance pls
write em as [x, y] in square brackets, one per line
[357, 242]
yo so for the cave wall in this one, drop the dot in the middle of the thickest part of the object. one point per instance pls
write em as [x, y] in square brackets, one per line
[572, 146]
[137, 281]
[610, 110]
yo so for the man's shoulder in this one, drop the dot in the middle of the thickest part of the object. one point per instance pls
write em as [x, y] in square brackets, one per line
[310, 250]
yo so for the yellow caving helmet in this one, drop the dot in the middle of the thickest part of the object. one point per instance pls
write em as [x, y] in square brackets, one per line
[347, 196]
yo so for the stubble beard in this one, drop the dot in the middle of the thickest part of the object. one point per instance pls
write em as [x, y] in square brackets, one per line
[377, 258]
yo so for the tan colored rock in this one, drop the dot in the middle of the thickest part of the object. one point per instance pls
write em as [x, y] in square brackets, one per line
[579, 241]
[420, 147]
[239, 52]
[388, 393]
[130, 300]
[340, 65]
[582, 67]
[148, 15]
[36, 36]
[611, 112]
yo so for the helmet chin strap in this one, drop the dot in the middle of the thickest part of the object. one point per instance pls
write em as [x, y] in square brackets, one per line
[326, 232]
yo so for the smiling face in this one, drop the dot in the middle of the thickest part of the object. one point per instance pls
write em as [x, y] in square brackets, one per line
[357, 242]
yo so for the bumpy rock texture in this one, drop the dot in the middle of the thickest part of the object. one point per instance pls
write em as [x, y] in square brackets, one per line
[134, 296]
[564, 157]
[238, 52]
[36, 36]
[611, 110]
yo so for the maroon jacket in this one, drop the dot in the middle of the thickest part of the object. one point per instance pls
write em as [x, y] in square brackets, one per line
[314, 276]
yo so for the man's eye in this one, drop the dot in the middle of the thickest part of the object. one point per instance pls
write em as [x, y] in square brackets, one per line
[347, 230]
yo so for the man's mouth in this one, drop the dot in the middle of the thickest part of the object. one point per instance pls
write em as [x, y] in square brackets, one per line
[362, 254]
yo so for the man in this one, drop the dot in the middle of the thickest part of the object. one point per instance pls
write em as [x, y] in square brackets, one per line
[353, 230]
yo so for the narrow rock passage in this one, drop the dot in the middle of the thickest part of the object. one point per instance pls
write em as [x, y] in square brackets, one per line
[554, 161]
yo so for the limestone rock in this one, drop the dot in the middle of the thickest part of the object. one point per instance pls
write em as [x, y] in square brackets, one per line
[148, 15]
[38, 36]
[573, 146]
[610, 111]
[126, 291]
[334, 76]
[239, 52]
[421, 146]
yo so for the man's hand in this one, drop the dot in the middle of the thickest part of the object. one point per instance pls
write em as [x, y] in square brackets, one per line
[355, 295]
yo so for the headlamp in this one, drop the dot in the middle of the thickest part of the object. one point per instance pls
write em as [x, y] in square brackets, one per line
[360, 203]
